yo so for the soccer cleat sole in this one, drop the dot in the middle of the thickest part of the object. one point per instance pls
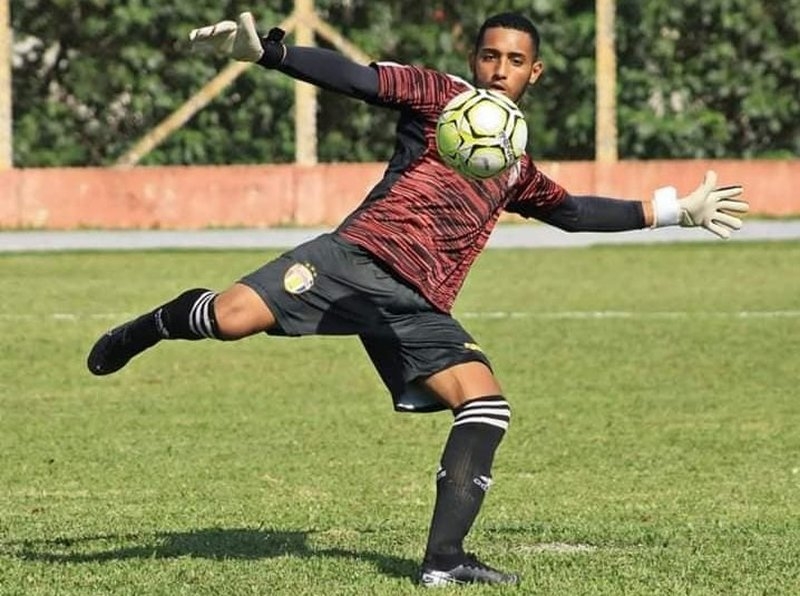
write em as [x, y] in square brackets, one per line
[435, 578]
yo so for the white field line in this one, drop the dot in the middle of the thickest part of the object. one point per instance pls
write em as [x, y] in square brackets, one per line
[541, 315]
[31, 493]
[627, 314]
[556, 547]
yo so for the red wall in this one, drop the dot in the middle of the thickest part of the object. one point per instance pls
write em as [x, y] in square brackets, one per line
[191, 197]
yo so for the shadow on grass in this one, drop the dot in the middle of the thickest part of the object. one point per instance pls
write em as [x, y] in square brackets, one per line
[211, 543]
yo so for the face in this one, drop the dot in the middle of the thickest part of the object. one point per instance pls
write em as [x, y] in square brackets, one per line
[506, 61]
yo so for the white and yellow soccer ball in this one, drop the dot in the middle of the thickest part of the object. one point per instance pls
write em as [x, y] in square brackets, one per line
[481, 133]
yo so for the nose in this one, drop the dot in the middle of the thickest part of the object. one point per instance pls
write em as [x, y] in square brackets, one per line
[501, 71]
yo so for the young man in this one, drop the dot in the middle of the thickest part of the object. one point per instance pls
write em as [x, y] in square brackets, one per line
[391, 271]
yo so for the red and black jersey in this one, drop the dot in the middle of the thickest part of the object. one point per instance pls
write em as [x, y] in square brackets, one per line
[424, 220]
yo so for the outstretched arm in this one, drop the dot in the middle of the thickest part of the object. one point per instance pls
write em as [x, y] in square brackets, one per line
[330, 70]
[324, 68]
[598, 214]
[718, 210]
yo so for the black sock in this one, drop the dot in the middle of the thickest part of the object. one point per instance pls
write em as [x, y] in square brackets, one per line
[465, 475]
[189, 316]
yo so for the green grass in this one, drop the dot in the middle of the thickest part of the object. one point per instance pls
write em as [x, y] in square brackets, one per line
[654, 445]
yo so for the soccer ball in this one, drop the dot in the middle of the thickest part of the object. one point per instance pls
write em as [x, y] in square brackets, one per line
[481, 133]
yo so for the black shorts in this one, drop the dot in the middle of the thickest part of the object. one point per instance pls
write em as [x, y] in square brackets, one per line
[328, 286]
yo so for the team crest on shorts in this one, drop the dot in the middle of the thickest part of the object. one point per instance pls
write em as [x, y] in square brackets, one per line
[299, 278]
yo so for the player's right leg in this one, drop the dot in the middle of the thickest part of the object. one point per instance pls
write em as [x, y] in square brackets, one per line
[282, 296]
[195, 314]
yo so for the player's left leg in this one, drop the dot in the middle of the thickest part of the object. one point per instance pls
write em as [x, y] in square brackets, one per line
[429, 362]
[481, 418]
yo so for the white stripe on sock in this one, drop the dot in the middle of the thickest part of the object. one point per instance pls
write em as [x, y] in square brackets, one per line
[505, 412]
[483, 420]
[199, 319]
[480, 403]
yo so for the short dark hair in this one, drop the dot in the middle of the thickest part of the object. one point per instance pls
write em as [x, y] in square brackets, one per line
[509, 20]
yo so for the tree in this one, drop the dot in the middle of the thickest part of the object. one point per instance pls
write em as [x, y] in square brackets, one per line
[704, 78]
[710, 79]
[91, 77]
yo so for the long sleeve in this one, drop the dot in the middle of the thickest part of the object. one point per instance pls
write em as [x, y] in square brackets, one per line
[332, 71]
[594, 214]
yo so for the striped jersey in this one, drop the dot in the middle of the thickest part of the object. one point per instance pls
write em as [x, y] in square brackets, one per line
[423, 220]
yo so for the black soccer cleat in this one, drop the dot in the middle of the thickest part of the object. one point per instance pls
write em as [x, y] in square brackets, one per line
[114, 349]
[468, 571]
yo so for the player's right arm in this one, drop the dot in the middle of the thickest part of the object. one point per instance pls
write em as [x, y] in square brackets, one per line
[330, 70]
[391, 85]
[324, 68]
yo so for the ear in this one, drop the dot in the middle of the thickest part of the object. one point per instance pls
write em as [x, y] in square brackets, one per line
[471, 61]
[536, 71]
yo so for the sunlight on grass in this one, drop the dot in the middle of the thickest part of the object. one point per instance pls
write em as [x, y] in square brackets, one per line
[647, 453]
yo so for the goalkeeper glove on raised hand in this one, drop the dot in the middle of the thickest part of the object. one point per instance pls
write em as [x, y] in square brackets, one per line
[716, 209]
[239, 40]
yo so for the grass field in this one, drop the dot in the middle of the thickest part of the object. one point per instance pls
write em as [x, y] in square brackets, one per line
[654, 447]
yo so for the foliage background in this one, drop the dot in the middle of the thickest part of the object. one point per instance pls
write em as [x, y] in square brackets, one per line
[697, 78]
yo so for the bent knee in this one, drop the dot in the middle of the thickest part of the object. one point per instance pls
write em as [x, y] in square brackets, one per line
[463, 382]
[240, 312]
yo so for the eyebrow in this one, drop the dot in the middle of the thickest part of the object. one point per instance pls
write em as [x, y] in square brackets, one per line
[496, 51]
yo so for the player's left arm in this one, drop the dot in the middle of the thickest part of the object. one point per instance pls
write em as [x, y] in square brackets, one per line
[717, 209]
[587, 213]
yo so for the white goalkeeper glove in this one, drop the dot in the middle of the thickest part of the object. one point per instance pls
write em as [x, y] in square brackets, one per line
[238, 40]
[715, 209]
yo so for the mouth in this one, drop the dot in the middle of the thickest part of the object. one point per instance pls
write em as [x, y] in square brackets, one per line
[499, 88]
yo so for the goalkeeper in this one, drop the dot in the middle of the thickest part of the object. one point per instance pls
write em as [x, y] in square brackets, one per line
[390, 272]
